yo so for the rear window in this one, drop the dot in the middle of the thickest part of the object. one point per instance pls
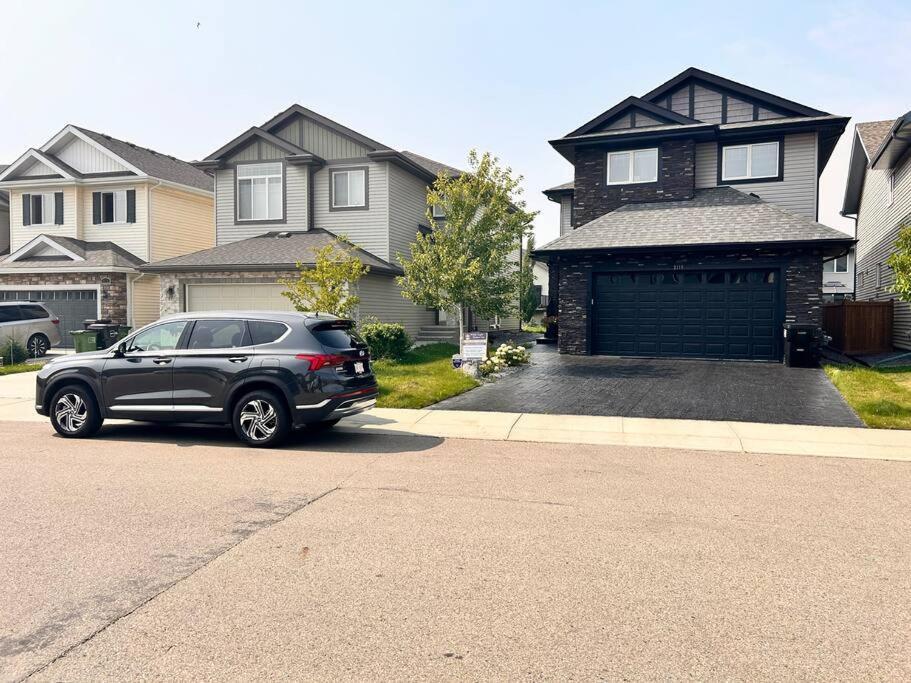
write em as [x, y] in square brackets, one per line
[33, 312]
[337, 335]
[264, 332]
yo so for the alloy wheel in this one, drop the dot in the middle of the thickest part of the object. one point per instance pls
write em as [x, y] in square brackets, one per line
[71, 412]
[38, 346]
[258, 420]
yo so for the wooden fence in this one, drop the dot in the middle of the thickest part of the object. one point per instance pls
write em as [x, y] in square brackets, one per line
[859, 326]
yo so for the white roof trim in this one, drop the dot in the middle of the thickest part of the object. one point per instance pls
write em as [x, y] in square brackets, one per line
[34, 154]
[26, 248]
[85, 138]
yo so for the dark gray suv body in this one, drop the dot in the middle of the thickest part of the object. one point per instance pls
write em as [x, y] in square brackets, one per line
[261, 372]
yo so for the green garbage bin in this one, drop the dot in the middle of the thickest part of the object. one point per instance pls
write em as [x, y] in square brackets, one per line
[85, 340]
[123, 331]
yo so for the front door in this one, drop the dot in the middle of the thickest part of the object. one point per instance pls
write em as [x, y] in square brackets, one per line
[217, 357]
[141, 381]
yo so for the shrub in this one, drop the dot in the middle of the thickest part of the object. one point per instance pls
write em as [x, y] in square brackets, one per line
[505, 356]
[386, 340]
[12, 352]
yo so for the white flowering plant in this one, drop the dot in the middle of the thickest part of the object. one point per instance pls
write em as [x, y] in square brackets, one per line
[506, 355]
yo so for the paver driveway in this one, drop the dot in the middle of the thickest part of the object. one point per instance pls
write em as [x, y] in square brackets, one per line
[680, 389]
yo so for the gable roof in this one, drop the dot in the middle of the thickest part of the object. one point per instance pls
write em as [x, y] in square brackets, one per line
[877, 145]
[280, 118]
[246, 136]
[692, 73]
[714, 216]
[70, 253]
[270, 251]
[433, 167]
[630, 104]
[872, 134]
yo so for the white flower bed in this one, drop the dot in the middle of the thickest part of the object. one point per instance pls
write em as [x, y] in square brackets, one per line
[506, 355]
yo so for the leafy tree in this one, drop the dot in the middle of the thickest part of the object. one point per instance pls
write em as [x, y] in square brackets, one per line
[528, 295]
[463, 263]
[326, 286]
[900, 263]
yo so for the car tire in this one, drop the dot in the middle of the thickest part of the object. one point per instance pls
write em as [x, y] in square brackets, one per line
[38, 345]
[74, 412]
[260, 419]
[323, 425]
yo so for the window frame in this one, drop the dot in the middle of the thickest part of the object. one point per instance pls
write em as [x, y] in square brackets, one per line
[779, 175]
[284, 192]
[834, 261]
[348, 169]
[632, 165]
[48, 210]
[438, 213]
[113, 194]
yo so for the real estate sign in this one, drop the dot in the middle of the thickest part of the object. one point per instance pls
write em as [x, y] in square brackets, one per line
[474, 346]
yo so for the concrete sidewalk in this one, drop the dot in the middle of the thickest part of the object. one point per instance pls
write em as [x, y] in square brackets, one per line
[736, 437]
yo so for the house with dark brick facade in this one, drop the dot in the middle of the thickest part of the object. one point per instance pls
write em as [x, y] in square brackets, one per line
[689, 229]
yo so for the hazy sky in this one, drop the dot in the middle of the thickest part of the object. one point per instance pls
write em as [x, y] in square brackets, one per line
[432, 77]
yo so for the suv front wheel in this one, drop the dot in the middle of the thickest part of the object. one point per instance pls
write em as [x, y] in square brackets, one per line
[74, 413]
[261, 419]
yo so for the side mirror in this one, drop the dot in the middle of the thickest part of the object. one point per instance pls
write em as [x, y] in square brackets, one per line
[121, 350]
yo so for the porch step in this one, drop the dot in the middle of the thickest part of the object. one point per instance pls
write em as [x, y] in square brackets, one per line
[438, 333]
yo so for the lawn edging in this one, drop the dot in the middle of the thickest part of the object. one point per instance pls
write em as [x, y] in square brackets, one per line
[19, 367]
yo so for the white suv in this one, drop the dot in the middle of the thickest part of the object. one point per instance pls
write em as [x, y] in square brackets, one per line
[31, 324]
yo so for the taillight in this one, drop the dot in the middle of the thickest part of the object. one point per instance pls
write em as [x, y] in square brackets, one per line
[321, 360]
[55, 321]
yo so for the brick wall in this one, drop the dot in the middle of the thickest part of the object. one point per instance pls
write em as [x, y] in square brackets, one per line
[593, 197]
[113, 288]
[803, 283]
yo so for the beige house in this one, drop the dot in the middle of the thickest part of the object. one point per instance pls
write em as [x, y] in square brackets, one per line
[85, 211]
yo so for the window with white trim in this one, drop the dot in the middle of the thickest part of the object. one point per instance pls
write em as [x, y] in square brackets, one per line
[42, 209]
[114, 206]
[349, 189]
[746, 162]
[633, 166]
[439, 211]
[259, 192]
[836, 265]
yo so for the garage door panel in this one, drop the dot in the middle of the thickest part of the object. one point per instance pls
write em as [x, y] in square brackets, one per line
[713, 314]
[245, 296]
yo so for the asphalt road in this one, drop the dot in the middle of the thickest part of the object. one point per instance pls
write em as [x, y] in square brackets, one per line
[177, 554]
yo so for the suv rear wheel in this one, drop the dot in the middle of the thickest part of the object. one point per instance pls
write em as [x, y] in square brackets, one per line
[74, 413]
[38, 345]
[261, 419]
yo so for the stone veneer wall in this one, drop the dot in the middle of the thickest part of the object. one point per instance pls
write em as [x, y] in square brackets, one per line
[803, 283]
[113, 288]
[176, 281]
[593, 197]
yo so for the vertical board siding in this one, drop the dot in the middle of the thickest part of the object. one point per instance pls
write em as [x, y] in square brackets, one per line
[707, 105]
[407, 210]
[381, 297]
[145, 301]
[87, 159]
[258, 150]
[797, 192]
[765, 114]
[20, 234]
[134, 237]
[297, 205]
[642, 121]
[566, 214]
[39, 168]
[367, 228]
[878, 224]
[181, 223]
[319, 140]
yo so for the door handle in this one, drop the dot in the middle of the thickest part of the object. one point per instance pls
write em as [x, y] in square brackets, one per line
[162, 361]
[237, 359]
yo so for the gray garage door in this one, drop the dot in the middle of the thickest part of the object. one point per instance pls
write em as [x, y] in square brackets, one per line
[72, 306]
[733, 314]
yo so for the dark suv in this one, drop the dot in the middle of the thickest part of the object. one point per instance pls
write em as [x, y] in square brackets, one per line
[262, 373]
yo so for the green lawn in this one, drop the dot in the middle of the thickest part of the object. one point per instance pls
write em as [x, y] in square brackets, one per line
[882, 397]
[425, 376]
[19, 367]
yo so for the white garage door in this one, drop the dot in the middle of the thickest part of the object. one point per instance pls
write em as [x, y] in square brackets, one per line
[241, 297]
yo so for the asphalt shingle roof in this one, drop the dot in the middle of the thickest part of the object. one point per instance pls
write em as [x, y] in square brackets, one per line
[154, 163]
[718, 215]
[558, 188]
[273, 250]
[94, 254]
[432, 166]
[872, 134]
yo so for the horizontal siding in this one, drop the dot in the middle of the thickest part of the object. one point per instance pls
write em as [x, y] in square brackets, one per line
[566, 214]
[707, 105]
[878, 224]
[765, 114]
[181, 223]
[368, 228]
[680, 101]
[4, 230]
[622, 122]
[739, 111]
[381, 297]
[145, 301]
[88, 159]
[296, 206]
[797, 192]
[407, 210]
[20, 234]
[134, 237]
[642, 121]
[319, 140]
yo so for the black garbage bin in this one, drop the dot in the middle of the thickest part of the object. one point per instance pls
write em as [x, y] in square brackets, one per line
[108, 333]
[801, 344]
[95, 321]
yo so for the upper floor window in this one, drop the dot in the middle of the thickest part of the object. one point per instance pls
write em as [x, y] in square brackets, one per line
[349, 189]
[748, 162]
[114, 207]
[836, 265]
[259, 192]
[439, 211]
[42, 209]
[634, 166]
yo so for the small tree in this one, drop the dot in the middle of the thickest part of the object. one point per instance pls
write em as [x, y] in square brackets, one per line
[464, 262]
[528, 294]
[326, 286]
[900, 263]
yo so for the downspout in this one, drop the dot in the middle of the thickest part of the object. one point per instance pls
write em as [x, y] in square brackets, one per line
[848, 252]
